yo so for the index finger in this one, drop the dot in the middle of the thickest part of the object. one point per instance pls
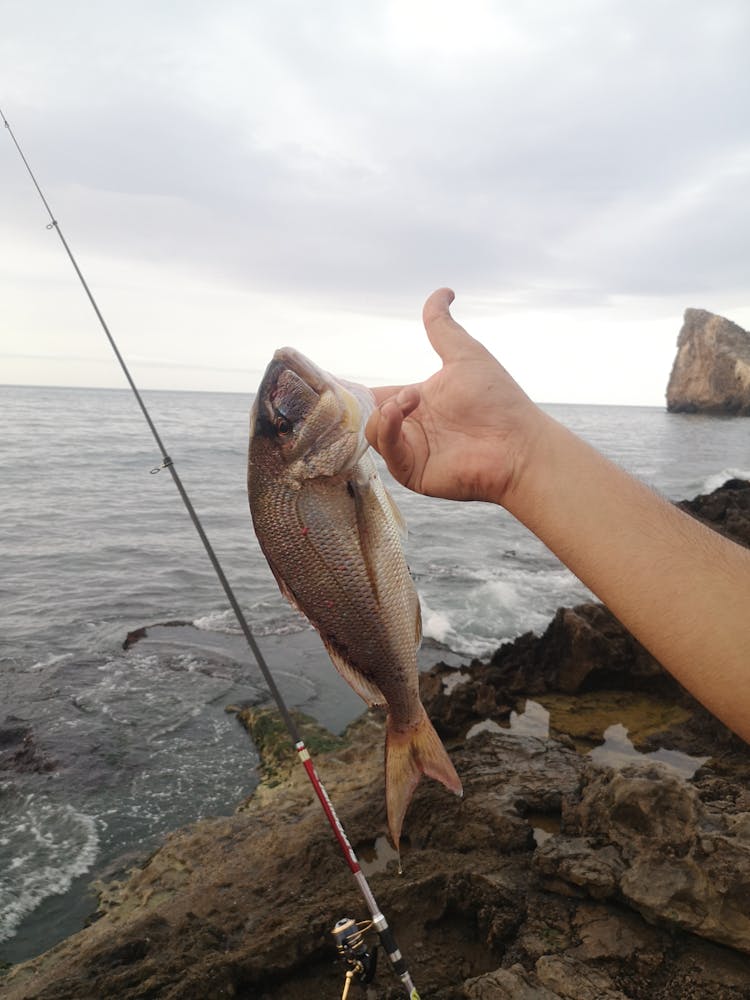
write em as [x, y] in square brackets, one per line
[383, 392]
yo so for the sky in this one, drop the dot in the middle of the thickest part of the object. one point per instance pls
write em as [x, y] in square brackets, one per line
[233, 177]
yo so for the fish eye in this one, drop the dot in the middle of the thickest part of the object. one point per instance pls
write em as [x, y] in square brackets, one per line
[282, 425]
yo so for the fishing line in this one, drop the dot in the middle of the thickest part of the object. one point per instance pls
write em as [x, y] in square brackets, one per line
[378, 920]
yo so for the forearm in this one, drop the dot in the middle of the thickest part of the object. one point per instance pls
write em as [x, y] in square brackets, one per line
[682, 589]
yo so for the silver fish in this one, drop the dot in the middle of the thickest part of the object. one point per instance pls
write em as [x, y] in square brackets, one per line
[332, 536]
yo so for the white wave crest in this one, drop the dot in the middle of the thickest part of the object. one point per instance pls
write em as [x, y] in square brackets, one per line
[436, 625]
[44, 845]
[218, 621]
[263, 622]
[719, 478]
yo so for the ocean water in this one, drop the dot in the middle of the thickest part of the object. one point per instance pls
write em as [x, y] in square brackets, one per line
[122, 746]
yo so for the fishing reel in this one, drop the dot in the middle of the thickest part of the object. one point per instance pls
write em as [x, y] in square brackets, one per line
[353, 951]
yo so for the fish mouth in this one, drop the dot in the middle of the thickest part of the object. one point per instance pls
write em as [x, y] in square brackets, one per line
[356, 401]
[287, 358]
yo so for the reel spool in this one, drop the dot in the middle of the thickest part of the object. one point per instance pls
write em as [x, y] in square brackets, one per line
[353, 951]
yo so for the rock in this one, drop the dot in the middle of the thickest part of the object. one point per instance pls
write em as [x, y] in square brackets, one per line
[576, 980]
[19, 752]
[583, 648]
[142, 633]
[507, 984]
[726, 510]
[243, 906]
[711, 371]
[644, 834]
[278, 756]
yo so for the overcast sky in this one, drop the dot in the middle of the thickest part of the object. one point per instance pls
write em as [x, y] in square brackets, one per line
[236, 176]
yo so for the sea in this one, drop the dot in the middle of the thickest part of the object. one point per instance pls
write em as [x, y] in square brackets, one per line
[105, 749]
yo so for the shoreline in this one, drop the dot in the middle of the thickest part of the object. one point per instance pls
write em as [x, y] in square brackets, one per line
[554, 871]
[243, 905]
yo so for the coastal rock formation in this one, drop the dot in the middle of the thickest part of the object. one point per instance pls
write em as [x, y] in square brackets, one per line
[711, 372]
[726, 510]
[554, 878]
[643, 835]
[557, 877]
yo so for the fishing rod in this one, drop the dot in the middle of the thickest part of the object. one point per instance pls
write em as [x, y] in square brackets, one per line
[379, 921]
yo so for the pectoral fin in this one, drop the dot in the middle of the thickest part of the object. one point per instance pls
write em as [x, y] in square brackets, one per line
[368, 514]
[395, 513]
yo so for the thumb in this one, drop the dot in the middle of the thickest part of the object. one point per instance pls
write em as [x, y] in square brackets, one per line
[448, 338]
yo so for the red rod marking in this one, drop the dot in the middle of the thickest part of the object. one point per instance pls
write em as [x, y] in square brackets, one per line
[338, 830]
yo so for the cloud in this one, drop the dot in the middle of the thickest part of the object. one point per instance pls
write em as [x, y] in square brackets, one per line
[352, 157]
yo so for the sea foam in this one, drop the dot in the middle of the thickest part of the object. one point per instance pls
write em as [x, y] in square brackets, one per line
[718, 479]
[44, 845]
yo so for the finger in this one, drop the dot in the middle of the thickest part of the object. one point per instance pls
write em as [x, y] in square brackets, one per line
[406, 397]
[384, 431]
[438, 304]
[449, 338]
[383, 392]
[383, 428]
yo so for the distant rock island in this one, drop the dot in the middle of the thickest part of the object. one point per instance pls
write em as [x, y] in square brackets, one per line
[711, 372]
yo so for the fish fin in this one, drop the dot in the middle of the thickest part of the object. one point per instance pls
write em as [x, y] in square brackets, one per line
[398, 517]
[365, 688]
[364, 496]
[409, 755]
[367, 473]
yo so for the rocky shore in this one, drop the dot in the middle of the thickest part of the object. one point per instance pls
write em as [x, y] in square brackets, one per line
[601, 851]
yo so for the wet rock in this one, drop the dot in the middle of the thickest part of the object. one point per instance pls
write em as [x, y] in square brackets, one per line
[143, 632]
[19, 752]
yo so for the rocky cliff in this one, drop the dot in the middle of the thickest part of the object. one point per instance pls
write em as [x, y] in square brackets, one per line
[601, 851]
[711, 372]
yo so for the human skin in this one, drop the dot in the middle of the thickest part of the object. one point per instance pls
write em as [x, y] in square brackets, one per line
[469, 432]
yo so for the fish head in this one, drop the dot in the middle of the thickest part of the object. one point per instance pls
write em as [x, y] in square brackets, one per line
[305, 423]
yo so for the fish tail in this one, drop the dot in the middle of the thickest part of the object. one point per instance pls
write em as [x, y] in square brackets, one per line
[409, 755]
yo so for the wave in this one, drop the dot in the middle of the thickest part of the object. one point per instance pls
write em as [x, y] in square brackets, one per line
[437, 626]
[262, 621]
[44, 845]
[718, 479]
[475, 620]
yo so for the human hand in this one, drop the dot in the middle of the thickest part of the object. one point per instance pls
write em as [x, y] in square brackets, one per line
[464, 433]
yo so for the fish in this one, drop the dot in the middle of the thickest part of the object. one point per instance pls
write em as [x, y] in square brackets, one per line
[333, 538]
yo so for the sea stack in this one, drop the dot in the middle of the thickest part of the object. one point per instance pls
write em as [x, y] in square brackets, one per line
[711, 372]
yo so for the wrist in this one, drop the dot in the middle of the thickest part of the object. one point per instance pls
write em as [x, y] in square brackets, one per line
[530, 455]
